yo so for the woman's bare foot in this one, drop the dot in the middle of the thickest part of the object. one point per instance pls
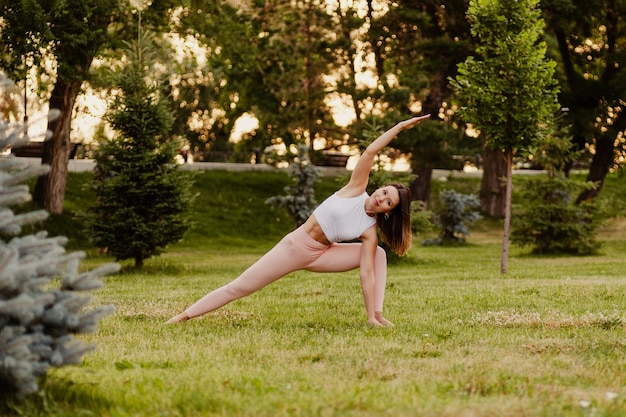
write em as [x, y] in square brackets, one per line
[178, 319]
[386, 322]
[382, 320]
[374, 323]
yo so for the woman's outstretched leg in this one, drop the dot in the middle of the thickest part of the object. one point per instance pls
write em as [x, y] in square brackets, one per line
[289, 255]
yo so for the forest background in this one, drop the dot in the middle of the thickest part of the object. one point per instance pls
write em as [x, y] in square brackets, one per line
[313, 72]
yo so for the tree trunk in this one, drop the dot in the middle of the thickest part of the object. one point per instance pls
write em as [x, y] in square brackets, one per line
[600, 164]
[507, 214]
[492, 188]
[420, 186]
[49, 191]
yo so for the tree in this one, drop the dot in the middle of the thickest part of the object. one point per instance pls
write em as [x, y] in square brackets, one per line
[294, 47]
[38, 318]
[55, 28]
[454, 216]
[20, 49]
[492, 188]
[269, 59]
[209, 86]
[417, 48]
[71, 33]
[142, 197]
[549, 221]
[76, 31]
[507, 89]
[283, 61]
[547, 218]
[588, 43]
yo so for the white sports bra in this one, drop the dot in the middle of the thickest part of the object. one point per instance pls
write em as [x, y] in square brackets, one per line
[343, 218]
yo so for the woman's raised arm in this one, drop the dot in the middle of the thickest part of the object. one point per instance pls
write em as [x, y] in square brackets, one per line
[360, 174]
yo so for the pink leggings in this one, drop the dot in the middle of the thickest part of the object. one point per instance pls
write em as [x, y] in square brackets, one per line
[294, 252]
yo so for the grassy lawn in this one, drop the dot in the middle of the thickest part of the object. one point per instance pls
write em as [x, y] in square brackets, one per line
[546, 339]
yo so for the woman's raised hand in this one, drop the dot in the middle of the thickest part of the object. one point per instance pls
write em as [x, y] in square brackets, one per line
[409, 123]
[361, 172]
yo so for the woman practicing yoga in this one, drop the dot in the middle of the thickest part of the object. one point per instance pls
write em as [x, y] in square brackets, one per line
[316, 246]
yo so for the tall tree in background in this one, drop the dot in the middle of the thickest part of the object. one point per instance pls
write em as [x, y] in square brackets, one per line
[417, 48]
[71, 33]
[210, 85]
[266, 58]
[21, 49]
[590, 38]
[284, 61]
[507, 89]
[294, 59]
[77, 30]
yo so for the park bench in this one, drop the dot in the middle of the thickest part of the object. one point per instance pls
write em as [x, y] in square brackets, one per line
[35, 150]
[333, 159]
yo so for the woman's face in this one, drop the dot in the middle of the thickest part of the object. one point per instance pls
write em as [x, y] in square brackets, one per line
[384, 199]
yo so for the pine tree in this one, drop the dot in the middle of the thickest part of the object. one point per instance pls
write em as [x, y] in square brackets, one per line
[142, 197]
[37, 316]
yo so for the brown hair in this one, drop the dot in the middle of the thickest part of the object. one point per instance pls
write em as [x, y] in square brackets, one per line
[396, 229]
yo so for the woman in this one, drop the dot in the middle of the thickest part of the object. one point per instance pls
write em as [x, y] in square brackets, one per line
[348, 214]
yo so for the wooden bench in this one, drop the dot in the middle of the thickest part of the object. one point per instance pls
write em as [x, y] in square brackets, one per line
[35, 150]
[333, 159]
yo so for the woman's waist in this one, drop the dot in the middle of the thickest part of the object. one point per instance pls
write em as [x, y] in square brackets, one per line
[314, 230]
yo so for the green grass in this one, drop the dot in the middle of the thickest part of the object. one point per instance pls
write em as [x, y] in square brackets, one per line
[547, 339]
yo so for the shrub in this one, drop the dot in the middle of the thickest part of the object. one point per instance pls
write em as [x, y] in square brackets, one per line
[41, 305]
[421, 219]
[453, 217]
[550, 222]
[300, 199]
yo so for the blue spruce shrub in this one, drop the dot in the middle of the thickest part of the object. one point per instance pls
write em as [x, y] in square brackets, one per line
[456, 212]
[41, 288]
[300, 196]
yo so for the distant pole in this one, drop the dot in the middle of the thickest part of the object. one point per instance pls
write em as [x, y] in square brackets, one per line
[25, 104]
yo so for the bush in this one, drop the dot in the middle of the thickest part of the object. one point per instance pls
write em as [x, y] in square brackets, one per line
[453, 217]
[300, 199]
[550, 222]
[41, 305]
[421, 219]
